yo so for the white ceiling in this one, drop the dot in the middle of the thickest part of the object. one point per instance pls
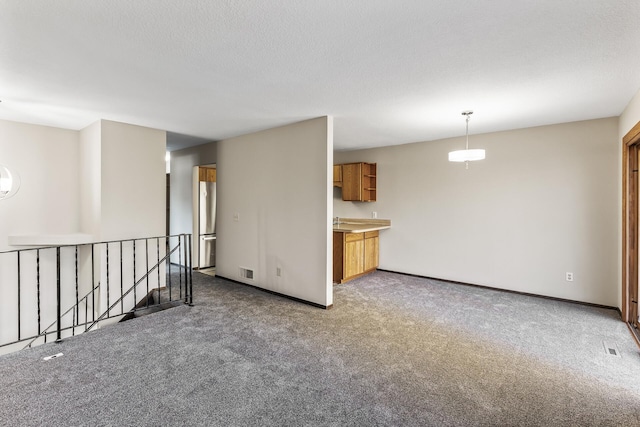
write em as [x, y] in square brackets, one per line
[389, 71]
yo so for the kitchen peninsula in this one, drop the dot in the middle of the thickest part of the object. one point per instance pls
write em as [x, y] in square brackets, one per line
[356, 245]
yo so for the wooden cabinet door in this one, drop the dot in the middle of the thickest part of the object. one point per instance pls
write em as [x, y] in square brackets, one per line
[359, 182]
[338, 256]
[352, 182]
[353, 254]
[337, 175]
[371, 251]
[207, 174]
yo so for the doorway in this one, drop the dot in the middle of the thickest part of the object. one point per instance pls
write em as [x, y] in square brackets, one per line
[630, 228]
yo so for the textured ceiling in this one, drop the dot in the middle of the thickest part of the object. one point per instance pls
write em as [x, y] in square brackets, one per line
[390, 72]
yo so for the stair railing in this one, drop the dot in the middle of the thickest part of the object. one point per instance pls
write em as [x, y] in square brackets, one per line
[113, 277]
[188, 298]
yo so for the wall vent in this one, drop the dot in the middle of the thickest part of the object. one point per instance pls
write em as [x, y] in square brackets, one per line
[246, 273]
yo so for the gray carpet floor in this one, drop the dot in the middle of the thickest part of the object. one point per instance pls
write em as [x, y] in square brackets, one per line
[395, 350]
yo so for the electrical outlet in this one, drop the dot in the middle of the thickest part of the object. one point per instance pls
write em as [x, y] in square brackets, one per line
[374, 215]
[278, 271]
[236, 216]
[569, 277]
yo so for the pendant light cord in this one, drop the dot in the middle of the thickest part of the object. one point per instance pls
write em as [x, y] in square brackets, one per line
[467, 131]
[467, 114]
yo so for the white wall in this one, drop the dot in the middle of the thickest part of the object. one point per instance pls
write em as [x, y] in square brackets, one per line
[107, 180]
[278, 181]
[90, 184]
[543, 203]
[133, 188]
[46, 159]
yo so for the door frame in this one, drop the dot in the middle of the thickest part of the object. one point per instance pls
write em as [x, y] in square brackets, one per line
[630, 226]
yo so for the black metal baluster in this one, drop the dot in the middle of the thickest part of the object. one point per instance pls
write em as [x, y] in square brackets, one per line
[158, 264]
[146, 257]
[190, 272]
[180, 261]
[121, 284]
[93, 284]
[77, 310]
[38, 290]
[108, 303]
[186, 268]
[59, 331]
[168, 239]
[86, 311]
[135, 298]
[19, 291]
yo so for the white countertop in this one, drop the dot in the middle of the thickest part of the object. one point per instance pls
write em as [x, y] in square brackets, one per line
[357, 225]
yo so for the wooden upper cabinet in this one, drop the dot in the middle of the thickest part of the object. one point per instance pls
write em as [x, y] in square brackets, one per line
[369, 184]
[337, 175]
[352, 181]
[207, 174]
[359, 182]
[211, 175]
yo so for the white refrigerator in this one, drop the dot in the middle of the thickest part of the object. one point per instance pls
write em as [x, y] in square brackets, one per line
[207, 225]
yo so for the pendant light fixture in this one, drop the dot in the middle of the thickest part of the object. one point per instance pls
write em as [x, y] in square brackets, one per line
[467, 155]
[9, 183]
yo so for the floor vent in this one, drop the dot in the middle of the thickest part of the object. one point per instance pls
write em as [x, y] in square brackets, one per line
[611, 349]
[246, 273]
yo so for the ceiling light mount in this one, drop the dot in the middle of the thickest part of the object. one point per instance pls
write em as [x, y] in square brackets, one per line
[467, 155]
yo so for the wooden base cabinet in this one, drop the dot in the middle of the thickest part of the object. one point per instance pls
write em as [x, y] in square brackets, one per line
[354, 254]
[371, 250]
